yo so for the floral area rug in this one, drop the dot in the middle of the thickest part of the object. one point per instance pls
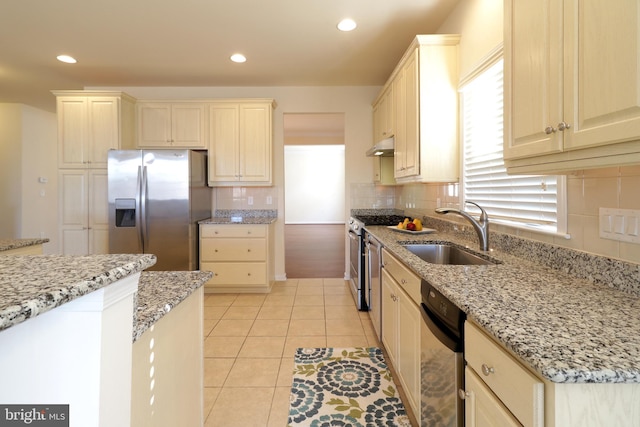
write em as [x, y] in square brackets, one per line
[340, 387]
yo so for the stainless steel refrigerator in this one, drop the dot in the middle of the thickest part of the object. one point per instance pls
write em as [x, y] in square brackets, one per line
[156, 198]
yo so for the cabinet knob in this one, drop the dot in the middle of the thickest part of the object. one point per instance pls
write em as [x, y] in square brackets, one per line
[248, 250]
[487, 370]
[463, 394]
[563, 126]
[404, 282]
[549, 130]
[215, 250]
[248, 274]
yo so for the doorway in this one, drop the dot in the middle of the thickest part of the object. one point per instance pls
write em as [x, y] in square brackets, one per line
[314, 195]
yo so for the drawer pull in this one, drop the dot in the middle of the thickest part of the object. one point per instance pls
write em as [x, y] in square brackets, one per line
[462, 394]
[487, 370]
[404, 282]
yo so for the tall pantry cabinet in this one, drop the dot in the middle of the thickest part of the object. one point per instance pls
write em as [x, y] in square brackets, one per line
[90, 123]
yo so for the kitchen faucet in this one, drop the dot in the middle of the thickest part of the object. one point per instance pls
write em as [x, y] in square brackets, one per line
[481, 225]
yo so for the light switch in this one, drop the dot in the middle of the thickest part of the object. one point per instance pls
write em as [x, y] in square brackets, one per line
[632, 226]
[618, 224]
[606, 222]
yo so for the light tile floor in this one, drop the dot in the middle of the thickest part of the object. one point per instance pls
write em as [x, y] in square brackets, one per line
[250, 340]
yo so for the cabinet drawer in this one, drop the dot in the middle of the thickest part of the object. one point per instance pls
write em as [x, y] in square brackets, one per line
[481, 407]
[513, 384]
[405, 277]
[225, 249]
[232, 230]
[236, 273]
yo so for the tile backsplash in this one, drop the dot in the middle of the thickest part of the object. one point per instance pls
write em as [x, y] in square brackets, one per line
[234, 198]
[587, 191]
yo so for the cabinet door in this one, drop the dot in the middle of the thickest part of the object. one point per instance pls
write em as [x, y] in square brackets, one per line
[481, 407]
[412, 131]
[400, 142]
[409, 320]
[188, 123]
[532, 77]
[154, 124]
[255, 143]
[602, 66]
[103, 128]
[74, 227]
[389, 317]
[98, 213]
[223, 143]
[72, 132]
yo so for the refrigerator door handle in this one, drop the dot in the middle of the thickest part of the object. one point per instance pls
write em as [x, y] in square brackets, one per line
[139, 208]
[143, 210]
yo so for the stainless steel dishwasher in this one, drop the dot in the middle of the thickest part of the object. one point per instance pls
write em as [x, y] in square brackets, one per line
[374, 282]
[441, 360]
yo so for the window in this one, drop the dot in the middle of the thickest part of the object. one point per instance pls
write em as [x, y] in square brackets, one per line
[525, 201]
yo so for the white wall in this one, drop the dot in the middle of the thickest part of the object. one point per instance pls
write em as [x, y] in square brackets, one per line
[353, 101]
[10, 170]
[314, 182]
[28, 151]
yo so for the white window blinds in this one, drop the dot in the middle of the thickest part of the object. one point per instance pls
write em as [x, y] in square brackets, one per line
[525, 201]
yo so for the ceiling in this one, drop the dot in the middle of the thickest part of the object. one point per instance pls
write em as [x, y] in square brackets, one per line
[188, 43]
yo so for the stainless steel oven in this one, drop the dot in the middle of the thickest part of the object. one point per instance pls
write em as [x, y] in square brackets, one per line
[357, 262]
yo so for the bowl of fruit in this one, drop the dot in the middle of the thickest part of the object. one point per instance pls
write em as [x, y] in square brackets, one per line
[412, 227]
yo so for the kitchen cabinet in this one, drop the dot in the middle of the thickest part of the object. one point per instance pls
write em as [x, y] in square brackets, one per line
[167, 368]
[241, 256]
[383, 170]
[90, 123]
[241, 142]
[507, 393]
[383, 116]
[424, 88]
[84, 220]
[401, 321]
[571, 84]
[172, 124]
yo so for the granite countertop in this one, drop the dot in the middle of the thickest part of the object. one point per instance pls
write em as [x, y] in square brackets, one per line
[160, 291]
[33, 284]
[242, 216]
[565, 327]
[8, 244]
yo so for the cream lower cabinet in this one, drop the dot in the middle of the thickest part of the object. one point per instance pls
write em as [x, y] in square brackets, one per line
[401, 320]
[571, 85]
[507, 393]
[239, 255]
[241, 142]
[167, 369]
[84, 220]
[172, 124]
[501, 391]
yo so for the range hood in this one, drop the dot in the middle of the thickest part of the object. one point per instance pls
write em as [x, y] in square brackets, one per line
[383, 148]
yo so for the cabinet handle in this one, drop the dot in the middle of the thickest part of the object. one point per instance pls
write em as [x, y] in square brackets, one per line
[248, 250]
[549, 130]
[463, 394]
[563, 126]
[215, 250]
[487, 370]
[404, 282]
[248, 274]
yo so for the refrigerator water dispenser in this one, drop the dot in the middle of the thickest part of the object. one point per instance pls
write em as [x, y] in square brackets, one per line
[125, 212]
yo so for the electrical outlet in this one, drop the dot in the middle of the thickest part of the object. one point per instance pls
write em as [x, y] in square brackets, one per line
[250, 200]
[269, 200]
[620, 224]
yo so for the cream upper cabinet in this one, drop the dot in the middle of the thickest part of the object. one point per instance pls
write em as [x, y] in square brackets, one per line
[241, 142]
[425, 107]
[383, 116]
[84, 221]
[172, 124]
[571, 84]
[90, 124]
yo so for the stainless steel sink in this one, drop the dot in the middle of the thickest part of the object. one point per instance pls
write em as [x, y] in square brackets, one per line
[437, 253]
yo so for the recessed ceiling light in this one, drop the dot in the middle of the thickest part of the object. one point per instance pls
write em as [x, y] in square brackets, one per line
[66, 58]
[347, 25]
[238, 57]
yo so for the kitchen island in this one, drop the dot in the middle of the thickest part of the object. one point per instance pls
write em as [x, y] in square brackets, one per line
[22, 246]
[569, 317]
[67, 321]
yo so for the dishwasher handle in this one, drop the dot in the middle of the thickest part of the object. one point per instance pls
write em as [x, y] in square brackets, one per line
[441, 331]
